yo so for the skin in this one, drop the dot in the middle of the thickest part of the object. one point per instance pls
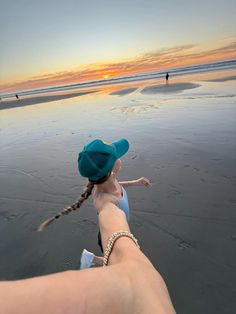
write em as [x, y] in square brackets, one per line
[112, 186]
[128, 285]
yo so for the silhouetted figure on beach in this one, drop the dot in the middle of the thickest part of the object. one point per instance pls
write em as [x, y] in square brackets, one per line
[17, 97]
[167, 77]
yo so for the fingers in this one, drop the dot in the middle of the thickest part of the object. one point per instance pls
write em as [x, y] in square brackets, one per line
[146, 182]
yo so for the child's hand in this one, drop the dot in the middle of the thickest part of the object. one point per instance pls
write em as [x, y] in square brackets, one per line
[143, 181]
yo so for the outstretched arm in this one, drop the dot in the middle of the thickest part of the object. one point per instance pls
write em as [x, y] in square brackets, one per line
[138, 182]
[129, 285]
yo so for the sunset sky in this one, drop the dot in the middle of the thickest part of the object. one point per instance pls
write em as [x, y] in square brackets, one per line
[57, 42]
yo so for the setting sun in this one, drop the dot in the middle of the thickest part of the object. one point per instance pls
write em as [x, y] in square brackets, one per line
[105, 76]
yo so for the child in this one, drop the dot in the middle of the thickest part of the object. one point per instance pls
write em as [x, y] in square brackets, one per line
[100, 162]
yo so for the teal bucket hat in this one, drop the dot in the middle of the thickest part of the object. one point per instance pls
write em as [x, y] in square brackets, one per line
[98, 158]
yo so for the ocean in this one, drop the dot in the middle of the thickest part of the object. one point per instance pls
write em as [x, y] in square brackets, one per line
[173, 72]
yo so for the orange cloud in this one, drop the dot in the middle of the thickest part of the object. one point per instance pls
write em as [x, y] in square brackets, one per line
[161, 59]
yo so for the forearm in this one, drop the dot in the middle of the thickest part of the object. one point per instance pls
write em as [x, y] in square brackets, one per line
[112, 219]
[138, 182]
[128, 183]
[114, 289]
[77, 291]
[134, 267]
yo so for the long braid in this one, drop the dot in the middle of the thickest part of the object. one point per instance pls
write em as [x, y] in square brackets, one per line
[67, 210]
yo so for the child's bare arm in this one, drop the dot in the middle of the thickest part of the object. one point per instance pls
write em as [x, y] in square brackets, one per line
[138, 182]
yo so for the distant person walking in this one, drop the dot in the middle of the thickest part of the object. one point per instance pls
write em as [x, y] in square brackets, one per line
[167, 77]
[17, 97]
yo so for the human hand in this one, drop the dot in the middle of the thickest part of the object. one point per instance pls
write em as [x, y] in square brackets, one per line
[143, 181]
[100, 200]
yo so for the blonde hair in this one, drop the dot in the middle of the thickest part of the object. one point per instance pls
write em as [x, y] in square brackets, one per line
[76, 205]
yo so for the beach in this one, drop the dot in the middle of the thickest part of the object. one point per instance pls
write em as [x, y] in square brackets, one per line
[34, 100]
[182, 137]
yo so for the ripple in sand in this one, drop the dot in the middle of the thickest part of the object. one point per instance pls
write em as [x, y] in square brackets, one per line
[168, 88]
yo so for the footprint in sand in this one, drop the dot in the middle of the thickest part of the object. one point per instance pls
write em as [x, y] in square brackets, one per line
[135, 109]
[184, 245]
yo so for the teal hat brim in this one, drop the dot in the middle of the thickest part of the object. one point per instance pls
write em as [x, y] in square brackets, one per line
[121, 147]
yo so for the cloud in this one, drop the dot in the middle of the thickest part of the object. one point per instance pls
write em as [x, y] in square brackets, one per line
[156, 60]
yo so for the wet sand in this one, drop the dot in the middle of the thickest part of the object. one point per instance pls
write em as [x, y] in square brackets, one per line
[169, 88]
[124, 91]
[223, 79]
[22, 102]
[186, 223]
[34, 100]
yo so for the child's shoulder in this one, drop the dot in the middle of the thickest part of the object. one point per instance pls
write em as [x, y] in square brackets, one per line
[112, 198]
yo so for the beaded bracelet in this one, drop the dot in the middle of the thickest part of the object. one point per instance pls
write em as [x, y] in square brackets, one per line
[112, 240]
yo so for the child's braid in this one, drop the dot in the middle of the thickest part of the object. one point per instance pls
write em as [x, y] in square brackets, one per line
[67, 210]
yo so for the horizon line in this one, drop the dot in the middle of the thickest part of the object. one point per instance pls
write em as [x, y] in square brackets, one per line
[161, 60]
[139, 76]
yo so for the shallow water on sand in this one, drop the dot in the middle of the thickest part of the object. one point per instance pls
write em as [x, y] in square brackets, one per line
[184, 143]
